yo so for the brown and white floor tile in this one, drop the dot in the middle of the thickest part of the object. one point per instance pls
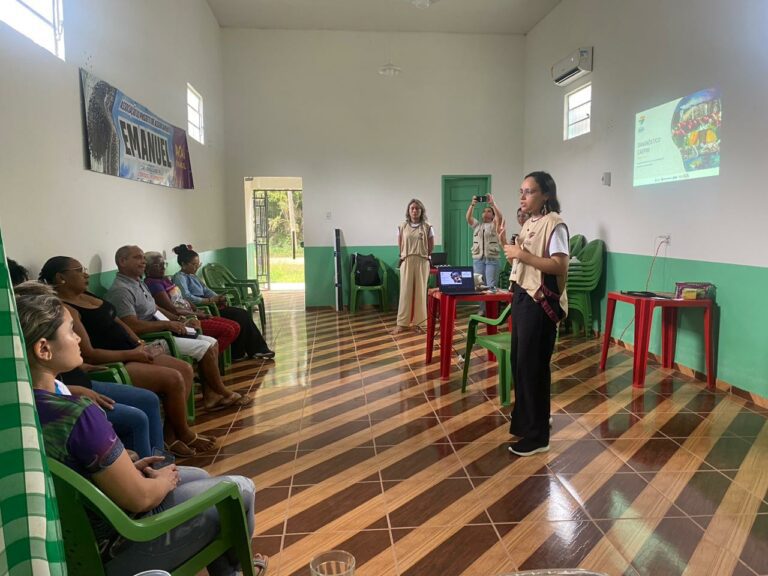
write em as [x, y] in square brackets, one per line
[354, 443]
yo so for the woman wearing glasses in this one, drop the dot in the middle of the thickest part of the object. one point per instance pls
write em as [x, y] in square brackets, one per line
[539, 302]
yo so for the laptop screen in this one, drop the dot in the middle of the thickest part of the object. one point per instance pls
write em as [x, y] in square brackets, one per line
[455, 279]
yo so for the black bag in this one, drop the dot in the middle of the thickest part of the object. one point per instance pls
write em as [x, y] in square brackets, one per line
[367, 271]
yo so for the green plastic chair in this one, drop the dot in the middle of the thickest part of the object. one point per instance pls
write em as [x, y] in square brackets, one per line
[74, 494]
[499, 344]
[504, 273]
[246, 293]
[225, 358]
[174, 351]
[116, 372]
[380, 288]
[583, 278]
[576, 244]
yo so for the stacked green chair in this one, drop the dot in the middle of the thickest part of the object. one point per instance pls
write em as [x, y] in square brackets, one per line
[576, 245]
[75, 495]
[246, 293]
[583, 278]
[504, 273]
[499, 344]
[381, 288]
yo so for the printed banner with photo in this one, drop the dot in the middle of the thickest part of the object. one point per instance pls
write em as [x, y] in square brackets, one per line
[125, 139]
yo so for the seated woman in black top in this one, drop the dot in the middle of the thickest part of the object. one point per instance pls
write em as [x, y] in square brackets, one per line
[105, 338]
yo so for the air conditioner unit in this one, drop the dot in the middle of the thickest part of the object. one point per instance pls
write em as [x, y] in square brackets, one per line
[574, 66]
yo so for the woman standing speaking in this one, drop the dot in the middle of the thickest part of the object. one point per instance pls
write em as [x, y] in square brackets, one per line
[539, 302]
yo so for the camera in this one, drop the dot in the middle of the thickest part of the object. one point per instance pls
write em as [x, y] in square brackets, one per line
[482, 198]
[513, 239]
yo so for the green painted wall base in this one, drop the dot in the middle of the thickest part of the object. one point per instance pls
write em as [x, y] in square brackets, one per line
[233, 258]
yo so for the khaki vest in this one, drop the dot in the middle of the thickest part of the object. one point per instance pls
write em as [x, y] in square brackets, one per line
[535, 237]
[414, 241]
[485, 241]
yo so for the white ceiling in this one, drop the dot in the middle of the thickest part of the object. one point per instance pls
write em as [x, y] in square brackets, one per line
[458, 16]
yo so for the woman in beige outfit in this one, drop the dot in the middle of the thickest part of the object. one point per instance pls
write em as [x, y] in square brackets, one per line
[416, 240]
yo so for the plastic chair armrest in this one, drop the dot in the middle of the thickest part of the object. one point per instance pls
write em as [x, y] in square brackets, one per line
[489, 321]
[164, 335]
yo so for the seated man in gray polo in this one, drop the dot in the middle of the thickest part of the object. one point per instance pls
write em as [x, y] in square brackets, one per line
[137, 308]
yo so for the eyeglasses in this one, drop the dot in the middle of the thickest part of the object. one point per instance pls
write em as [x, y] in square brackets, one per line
[81, 269]
[528, 191]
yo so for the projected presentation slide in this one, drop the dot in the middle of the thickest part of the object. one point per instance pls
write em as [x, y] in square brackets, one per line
[678, 140]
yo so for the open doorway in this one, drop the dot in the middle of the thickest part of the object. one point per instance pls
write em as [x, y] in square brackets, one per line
[275, 231]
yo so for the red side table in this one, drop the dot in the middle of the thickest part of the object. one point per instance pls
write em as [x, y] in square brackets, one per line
[644, 307]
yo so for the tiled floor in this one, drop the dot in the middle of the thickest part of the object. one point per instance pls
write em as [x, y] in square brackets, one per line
[354, 443]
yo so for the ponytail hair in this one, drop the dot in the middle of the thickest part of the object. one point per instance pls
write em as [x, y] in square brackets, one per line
[185, 254]
[53, 266]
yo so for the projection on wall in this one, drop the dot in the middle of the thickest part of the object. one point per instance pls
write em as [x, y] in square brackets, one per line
[679, 140]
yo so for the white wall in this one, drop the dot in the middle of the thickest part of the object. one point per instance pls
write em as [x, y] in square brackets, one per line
[648, 52]
[49, 202]
[312, 104]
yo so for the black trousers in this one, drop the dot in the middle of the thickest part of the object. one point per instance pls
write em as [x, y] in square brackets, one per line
[250, 340]
[533, 341]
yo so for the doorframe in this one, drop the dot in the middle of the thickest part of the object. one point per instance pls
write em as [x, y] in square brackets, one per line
[444, 179]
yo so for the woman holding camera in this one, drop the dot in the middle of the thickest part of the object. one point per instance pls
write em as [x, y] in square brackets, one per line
[539, 302]
[486, 247]
[416, 240]
[77, 433]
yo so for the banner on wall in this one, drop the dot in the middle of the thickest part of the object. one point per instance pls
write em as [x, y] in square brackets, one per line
[125, 139]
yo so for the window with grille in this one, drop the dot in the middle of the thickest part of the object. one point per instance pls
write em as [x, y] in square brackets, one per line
[578, 110]
[39, 20]
[195, 126]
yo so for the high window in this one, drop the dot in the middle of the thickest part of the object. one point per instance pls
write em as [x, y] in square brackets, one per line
[195, 126]
[39, 20]
[578, 109]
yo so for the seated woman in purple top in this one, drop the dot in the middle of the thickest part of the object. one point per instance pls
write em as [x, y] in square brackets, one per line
[77, 433]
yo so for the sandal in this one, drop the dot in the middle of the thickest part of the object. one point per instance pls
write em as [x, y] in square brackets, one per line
[260, 562]
[180, 449]
[202, 444]
[218, 405]
[234, 399]
[237, 399]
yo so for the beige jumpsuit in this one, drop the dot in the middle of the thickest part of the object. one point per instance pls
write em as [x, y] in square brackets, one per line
[414, 274]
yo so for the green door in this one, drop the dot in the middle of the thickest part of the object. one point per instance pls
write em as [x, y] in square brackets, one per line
[457, 235]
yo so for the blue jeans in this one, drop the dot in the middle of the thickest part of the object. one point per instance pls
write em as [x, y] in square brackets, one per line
[183, 542]
[489, 268]
[135, 417]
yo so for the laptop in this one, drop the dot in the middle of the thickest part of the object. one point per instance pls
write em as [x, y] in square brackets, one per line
[456, 280]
